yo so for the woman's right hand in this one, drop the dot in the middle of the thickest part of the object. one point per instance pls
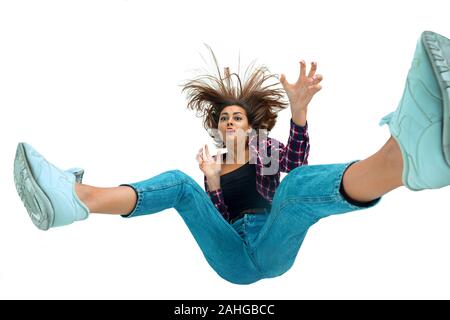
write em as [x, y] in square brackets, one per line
[207, 164]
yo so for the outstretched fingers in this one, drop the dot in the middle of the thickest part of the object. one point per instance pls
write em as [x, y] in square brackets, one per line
[207, 152]
[199, 156]
[317, 78]
[315, 88]
[313, 69]
[218, 157]
[302, 74]
[283, 81]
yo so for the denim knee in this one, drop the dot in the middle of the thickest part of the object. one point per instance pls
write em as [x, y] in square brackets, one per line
[186, 179]
[181, 176]
[178, 174]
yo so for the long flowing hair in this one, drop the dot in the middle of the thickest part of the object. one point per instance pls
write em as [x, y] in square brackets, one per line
[209, 93]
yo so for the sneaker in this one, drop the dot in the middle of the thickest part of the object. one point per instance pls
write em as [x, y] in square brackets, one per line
[47, 192]
[420, 125]
[78, 173]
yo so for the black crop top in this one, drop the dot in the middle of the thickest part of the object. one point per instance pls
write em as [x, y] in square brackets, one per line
[239, 190]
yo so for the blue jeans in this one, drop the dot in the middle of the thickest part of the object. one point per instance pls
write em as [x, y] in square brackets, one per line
[256, 246]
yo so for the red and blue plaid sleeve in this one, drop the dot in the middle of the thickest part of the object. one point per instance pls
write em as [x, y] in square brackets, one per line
[218, 200]
[296, 152]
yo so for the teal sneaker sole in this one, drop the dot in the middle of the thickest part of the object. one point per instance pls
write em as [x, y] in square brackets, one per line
[438, 50]
[36, 202]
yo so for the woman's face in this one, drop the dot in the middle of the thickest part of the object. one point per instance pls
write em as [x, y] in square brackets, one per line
[233, 125]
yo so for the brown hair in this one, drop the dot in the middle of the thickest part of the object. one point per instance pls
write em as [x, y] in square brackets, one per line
[208, 94]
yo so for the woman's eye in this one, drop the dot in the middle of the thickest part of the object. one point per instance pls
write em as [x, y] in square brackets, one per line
[225, 118]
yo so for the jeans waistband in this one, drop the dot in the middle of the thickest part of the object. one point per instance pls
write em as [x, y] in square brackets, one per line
[248, 211]
[254, 210]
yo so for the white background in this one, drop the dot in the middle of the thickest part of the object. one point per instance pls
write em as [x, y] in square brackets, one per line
[96, 84]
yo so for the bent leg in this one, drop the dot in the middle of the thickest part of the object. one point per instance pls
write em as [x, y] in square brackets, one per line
[220, 243]
[306, 195]
[375, 176]
[115, 200]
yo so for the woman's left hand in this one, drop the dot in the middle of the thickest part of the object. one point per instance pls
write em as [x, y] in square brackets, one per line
[301, 92]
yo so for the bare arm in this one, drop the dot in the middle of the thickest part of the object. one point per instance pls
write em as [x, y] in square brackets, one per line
[213, 182]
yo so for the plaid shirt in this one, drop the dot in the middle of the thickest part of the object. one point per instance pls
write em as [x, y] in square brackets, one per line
[271, 157]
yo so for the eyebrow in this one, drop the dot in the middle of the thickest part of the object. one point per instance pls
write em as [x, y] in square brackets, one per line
[233, 113]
